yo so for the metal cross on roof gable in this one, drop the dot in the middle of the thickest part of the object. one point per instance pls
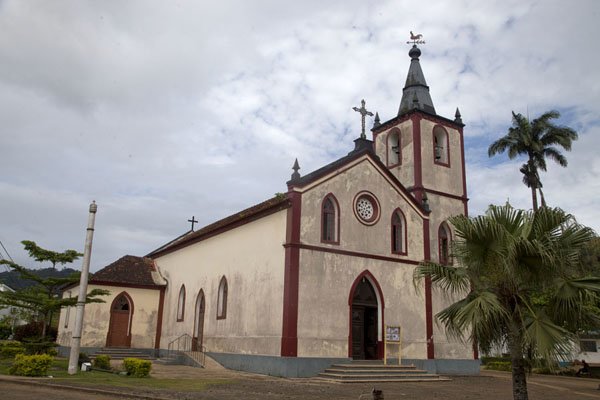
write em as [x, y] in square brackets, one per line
[415, 39]
[193, 221]
[363, 113]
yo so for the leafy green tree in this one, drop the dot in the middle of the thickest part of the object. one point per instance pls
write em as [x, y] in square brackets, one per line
[43, 299]
[538, 140]
[519, 284]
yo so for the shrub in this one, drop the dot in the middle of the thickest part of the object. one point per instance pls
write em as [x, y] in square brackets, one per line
[488, 359]
[35, 365]
[5, 331]
[39, 346]
[102, 362]
[34, 329]
[10, 348]
[11, 351]
[136, 367]
[499, 365]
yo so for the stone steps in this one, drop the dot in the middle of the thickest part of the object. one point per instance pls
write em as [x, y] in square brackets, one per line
[376, 371]
[117, 353]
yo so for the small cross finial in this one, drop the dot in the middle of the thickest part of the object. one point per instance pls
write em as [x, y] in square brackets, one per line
[363, 113]
[415, 39]
[193, 221]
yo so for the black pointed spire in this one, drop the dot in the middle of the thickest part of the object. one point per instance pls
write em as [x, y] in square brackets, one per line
[457, 116]
[377, 121]
[296, 174]
[415, 86]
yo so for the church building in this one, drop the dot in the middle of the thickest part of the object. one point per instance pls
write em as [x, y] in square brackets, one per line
[313, 276]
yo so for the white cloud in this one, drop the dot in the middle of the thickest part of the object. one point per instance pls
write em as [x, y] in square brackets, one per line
[161, 111]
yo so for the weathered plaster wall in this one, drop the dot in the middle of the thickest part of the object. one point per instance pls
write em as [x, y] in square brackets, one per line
[354, 235]
[439, 177]
[251, 257]
[97, 318]
[323, 325]
[405, 171]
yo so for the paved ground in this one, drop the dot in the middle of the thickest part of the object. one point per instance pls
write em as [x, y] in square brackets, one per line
[489, 386]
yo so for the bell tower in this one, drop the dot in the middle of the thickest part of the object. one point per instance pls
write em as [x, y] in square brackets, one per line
[425, 151]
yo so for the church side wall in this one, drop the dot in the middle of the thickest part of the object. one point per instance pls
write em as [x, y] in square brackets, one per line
[97, 318]
[251, 257]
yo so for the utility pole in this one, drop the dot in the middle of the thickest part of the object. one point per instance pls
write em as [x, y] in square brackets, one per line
[83, 282]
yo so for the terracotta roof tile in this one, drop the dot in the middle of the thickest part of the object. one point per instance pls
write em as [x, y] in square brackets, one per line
[129, 270]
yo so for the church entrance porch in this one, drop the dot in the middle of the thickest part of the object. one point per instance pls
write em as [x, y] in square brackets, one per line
[364, 321]
[119, 330]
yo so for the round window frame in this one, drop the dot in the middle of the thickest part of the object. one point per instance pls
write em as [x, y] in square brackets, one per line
[376, 208]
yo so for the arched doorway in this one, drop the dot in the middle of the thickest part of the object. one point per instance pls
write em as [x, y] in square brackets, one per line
[119, 329]
[364, 320]
[198, 322]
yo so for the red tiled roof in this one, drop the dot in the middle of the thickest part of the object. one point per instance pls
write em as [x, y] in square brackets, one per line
[128, 270]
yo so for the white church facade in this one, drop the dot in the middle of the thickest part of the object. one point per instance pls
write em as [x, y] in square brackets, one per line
[312, 276]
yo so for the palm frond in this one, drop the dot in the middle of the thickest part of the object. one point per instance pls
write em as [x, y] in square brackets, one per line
[450, 279]
[545, 338]
[480, 313]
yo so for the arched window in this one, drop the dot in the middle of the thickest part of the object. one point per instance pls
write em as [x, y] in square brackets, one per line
[330, 220]
[181, 304]
[222, 299]
[394, 155]
[441, 151]
[444, 238]
[399, 239]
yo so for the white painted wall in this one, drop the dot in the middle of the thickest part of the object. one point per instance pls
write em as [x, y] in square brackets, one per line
[251, 257]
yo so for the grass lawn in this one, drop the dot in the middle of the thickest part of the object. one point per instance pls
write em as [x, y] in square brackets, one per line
[107, 380]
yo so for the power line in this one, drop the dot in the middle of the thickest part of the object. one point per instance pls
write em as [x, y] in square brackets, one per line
[6, 251]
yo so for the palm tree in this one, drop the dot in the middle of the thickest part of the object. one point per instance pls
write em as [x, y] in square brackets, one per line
[519, 284]
[538, 140]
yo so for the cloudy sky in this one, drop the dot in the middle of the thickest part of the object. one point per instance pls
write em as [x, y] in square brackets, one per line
[160, 110]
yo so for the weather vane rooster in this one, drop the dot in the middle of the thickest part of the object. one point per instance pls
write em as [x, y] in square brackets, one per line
[415, 39]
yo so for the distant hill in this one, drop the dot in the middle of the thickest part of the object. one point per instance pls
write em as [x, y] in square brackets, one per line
[13, 279]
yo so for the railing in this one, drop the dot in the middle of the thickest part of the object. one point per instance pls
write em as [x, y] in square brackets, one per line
[187, 345]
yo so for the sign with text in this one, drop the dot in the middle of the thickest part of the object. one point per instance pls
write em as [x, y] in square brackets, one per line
[392, 333]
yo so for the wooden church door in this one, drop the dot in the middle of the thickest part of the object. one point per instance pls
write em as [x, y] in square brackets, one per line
[364, 322]
[119, 330]
[198, 335]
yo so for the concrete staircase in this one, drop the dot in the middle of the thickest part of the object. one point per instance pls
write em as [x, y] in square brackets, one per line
[119, 353]
[375, 371]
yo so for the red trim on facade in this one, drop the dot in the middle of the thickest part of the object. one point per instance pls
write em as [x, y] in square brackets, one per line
[444, 226]
[398, 132]
[336, 205]
[291, 281]
[428, 300]
[349, 253]
[437, 192]
[464, 173]
[371, 278]
[418, 164]
[161, 306]
[447, 146]
[404, 233]
[376, 207]
[409, 115]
